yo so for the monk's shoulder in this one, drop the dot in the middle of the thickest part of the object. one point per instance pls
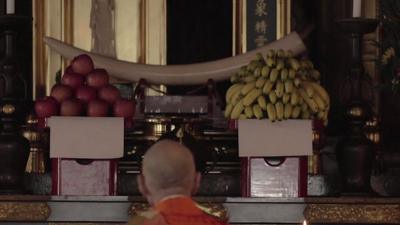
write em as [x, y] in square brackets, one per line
[149, 217]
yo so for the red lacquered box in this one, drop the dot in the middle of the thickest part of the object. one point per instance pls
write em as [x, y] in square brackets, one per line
[84, 154]
[274, 157]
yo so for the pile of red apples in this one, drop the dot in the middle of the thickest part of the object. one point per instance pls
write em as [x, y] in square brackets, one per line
[84, 91]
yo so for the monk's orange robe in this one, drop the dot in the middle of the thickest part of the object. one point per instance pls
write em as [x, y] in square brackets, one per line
[176, 211]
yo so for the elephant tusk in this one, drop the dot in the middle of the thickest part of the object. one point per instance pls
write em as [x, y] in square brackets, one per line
[187, 74]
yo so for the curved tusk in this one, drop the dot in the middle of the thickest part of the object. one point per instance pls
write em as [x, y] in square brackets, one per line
[187, 74]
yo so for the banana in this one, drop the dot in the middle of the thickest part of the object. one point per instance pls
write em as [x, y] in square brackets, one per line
[320, 103]
[307, 87]
[251, 96]
[257, 72]
[271, 53]
[249, 79]
[252, 65]
[267, 87]
[247, 88]
[270, 62]
[288, 86]
[296, 112]
[228, 110]
[242, 71]
[287, 111]
[280, 53]
[248, 111]
[259, 57]
[292, 74]
[242, 117]
[309, 64]
[303, 64]
[297, 82]
[320, 115]
[231, 90]
[260, 82]
[273, 75]
[258, 113]
[271, 112]
[315, 74]
[236, 97]
[288, 54]
[237, 110]
[234, 78]
[305, 114]
[279, 89]
[265, 71]
[262, 102]
[286, 98]
[310, 102]
[304, 106]
[294, 98]
[279, 110]
[280, 64]
[321, 91]
[272, 97]
[294, 64]
[284, 74]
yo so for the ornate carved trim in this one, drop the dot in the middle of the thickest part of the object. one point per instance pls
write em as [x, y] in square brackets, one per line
[352, 213]
[24, 211]
[137, 207]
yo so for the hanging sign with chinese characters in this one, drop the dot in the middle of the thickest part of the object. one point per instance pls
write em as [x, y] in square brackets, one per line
[266, 21]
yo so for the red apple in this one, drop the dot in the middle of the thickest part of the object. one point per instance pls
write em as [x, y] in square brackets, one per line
[46, 107]
[109, 94]
[71, 107]
[97, 107]
[73, 80]
[85, 93]
[82, 64]
[69, 69]
[98, 78]
[124, 108]
[61, 92]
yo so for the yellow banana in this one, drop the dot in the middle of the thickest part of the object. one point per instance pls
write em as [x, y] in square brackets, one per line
[237, 110]
[292, 74]
[234, 78]
[257, 72]
[259, 57]
[272, 97]
[251, 96]
[309, 90]
[231, 90]
[294, 64]
[288, 53]
[236, 97]
[286, 98]
[267, 87]
[265, 71]
[248, 111]
[321, 91]
[247, 88]
[273, 75]
[242, 117]
[262, 102]
[296, 112]
[304, 106]
[228, 110]
[310, 102]
[289, 86]
[305, 114]
[309, 64]
[260, 82]
[303, 64]
[320, 103]
[297, 82]
[287, 111]
[315, 74]
[242, 71]
[271, 53]
[320, 115]
[294, 98]
[280, 64]
[258, 113]
[249, 79]
[280, 53]
[279, 110]
[270, 62]
[271, 112]
[279, 89]
[284, 74]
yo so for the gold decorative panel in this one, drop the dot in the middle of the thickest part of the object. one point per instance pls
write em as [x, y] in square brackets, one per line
[24, 211]
[352, 213]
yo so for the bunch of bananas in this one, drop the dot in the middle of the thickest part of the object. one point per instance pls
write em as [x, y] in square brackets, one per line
[277, 87]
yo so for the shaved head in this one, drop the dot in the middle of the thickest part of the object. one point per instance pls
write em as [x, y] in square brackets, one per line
[168, 168]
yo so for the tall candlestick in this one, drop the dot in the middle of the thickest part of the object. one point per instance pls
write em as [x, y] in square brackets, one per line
[305, 222]
[10, 8]
[357, 8]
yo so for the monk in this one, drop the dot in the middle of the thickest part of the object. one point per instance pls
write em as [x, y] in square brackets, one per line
[168, 180]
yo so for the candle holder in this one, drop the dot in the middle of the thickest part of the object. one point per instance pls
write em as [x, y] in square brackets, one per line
[355, 152]
[14, 148]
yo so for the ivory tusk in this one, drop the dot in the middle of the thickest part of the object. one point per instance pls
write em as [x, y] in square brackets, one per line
[187, 74]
